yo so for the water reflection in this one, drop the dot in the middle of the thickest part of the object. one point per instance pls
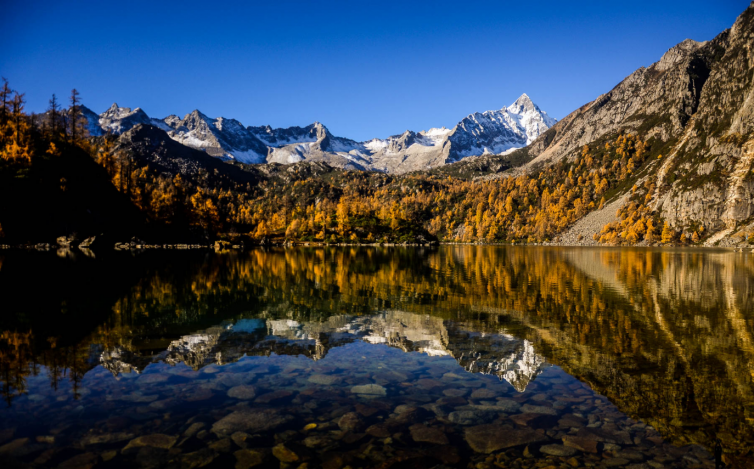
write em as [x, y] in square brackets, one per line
[665, 335]
[498, 354]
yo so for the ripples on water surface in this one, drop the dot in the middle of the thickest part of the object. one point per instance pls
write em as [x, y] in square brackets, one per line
[460, 356]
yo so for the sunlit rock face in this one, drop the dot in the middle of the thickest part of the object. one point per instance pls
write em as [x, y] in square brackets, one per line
[500, 354]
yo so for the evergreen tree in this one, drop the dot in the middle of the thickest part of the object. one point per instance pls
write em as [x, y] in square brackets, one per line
[53, 113]
[74, 113]
[5, 96]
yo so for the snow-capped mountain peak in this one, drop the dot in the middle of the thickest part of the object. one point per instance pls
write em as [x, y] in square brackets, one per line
[488, 132]
[119, 119]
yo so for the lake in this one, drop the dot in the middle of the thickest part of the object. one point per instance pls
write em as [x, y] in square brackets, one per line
[391, 357]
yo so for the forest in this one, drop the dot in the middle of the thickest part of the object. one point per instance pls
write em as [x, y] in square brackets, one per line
[56, 180]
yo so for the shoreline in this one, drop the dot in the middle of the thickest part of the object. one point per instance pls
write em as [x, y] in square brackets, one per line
[222, 246]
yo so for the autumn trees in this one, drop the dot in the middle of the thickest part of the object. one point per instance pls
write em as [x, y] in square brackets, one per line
[15, 132]
[352, 206]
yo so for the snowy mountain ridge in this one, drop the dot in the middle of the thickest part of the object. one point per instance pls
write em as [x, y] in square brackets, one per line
[489, 132]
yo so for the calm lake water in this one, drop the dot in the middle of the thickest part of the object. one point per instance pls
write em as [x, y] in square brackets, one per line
[456, 356]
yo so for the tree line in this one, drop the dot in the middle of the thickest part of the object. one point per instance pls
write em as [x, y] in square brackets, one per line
[354, 207]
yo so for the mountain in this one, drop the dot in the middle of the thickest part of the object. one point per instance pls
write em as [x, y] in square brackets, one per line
[218, 137]
[489, 132]
[499, 131]
[694, 109]
[117, 120]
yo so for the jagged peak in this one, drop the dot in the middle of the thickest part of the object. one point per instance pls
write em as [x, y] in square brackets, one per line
[523, 103]
[678, 53]
[197, 113]
[523, 100]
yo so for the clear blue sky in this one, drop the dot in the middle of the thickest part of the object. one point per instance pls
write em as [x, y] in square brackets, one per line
[364, 69]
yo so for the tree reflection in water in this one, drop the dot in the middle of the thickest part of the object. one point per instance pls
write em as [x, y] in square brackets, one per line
[666, 335]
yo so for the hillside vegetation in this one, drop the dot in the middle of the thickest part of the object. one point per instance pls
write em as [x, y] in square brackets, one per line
[674, 139]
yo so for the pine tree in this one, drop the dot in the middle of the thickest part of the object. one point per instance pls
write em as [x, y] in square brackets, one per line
[695, 237]
[74, 113]
[5, 96]
[53, 111]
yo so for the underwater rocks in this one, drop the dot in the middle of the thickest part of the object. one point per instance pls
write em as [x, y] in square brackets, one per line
[243, 392]
[488, 438]
[156, 440]
[423, 433]
[250, 421]
[369, 390]
[343, 410]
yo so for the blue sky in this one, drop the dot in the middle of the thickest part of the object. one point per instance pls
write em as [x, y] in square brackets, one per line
[364, 69]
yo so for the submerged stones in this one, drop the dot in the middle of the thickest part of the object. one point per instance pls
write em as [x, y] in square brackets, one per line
[246, 458]
[156, 440]
[285, 454]
[300, 414]
[273, 396]
[105, 438]
[424, 433]
[369, 390]
[324, 380]
[489, 437]
[250, 421]
[351, 422]
[582, 444]
[13, 446]
[558, 450]
[244, 392]
[538, 409]
[468, 417]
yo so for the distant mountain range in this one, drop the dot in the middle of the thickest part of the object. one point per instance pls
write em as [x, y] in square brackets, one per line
[490, 132]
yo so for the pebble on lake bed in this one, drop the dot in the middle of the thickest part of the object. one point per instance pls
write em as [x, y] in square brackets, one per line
[369, 390]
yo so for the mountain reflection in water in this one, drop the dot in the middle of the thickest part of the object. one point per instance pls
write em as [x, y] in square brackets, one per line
[500, 354]
[665, 335]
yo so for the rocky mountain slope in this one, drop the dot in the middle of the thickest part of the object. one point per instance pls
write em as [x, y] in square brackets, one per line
[695, 110]
[490, 132]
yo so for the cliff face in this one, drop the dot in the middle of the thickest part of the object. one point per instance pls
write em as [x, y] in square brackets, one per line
[708, 178]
